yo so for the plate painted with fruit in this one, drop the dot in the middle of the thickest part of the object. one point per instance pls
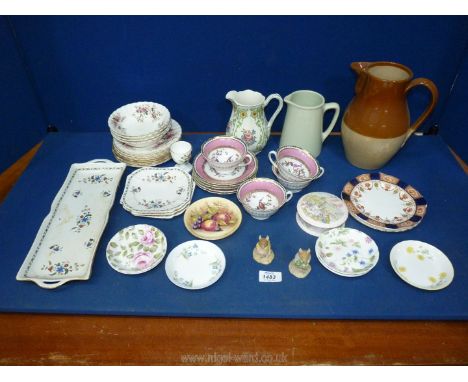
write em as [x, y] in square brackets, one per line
[212, 218]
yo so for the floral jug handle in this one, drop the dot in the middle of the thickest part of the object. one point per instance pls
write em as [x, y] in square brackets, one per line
[435, 96]
[278, 109]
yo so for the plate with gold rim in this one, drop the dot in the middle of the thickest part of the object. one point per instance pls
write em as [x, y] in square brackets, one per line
[212, 218]
[384, 202]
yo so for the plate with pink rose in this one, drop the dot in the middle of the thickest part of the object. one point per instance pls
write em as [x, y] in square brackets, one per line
[136, 249]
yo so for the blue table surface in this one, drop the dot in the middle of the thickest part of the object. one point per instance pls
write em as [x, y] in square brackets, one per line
[425, 163]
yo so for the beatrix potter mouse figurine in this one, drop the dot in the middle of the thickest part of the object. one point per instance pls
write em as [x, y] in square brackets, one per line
[299, 266]
[262, 252]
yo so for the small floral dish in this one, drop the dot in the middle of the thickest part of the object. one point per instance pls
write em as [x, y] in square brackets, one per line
[262, 197]
[136, 249]
[319, 212]
[181, 153]
[294, 163]
[294, 186]
[347, 252]
[225, 153]
[384, 202]
[212, 218]
[195, 264]
[421, 265]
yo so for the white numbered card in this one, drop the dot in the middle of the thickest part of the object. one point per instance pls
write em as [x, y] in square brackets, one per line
[269, 277]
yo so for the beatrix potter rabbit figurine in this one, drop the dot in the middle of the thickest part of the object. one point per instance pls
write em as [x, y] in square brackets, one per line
[262, 252]
[299, 266]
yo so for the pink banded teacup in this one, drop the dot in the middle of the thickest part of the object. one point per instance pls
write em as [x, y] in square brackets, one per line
[294, 163]
[226, 153]
[262, 197]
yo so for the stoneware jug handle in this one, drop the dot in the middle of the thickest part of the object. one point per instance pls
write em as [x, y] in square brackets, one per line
[435, 96]
[278, 109]
[329, 106]
[270, 155]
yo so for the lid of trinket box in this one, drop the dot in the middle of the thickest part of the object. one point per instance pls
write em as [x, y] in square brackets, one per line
[322, 210]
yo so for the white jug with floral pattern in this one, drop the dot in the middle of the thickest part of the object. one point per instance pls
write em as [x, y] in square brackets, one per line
[248, 121]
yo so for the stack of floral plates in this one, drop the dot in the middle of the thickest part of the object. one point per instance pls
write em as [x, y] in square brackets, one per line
[347, 252]
[384, 202]
[143, 133]
[161, 193]
[222, 183]
[319, 212]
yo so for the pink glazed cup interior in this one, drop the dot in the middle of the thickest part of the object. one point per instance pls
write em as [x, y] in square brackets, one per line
[224, 142]
[262, 185]
[304, 157]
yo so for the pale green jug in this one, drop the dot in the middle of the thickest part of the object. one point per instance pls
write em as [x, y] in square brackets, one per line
[303, 124]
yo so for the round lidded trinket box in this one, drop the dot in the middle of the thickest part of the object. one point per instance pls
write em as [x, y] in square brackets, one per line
[319, 212]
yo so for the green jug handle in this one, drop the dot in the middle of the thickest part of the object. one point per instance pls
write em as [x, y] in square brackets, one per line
[435, 96]
[278, 109]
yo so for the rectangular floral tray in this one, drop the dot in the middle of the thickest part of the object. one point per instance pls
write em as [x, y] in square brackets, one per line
[66, 242]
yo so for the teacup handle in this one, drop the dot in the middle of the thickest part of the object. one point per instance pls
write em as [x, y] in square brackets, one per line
[273, 162]
[321, 172]
[278, 109]
[329, 106]
[289, 195]
[243, 164]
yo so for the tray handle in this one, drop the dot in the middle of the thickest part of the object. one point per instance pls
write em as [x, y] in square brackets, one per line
[49, 284]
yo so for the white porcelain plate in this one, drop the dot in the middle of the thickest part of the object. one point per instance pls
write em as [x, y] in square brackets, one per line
[195, 264]
[347, 252]
[154, 191]
[421, 265]
[384, 202]
[136, 249]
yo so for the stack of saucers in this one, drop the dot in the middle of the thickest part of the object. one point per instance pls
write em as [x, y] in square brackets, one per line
[157, 192]
[143, 133]
[223, 165]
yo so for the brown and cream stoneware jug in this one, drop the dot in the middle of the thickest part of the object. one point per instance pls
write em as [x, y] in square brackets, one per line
[376, 123]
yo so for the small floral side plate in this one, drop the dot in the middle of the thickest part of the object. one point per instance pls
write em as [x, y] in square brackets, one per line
[195, 264]
[384, 202]
[347, 252]
[421, 265]
[212, 218]
[136, 249]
